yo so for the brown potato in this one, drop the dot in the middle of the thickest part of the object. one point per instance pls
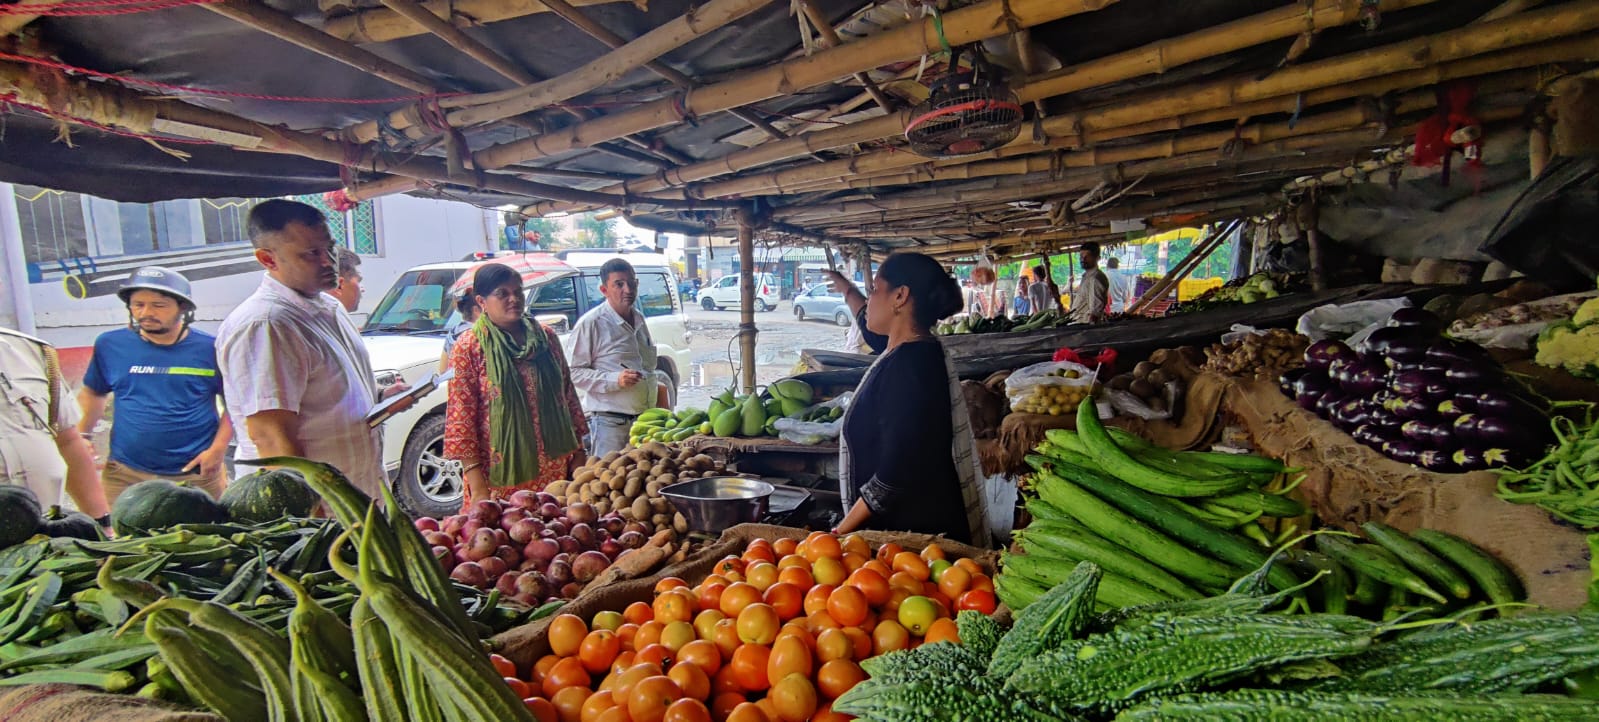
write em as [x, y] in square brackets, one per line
[660, 505]
[653, 488]
[633, 488]
[641, 508]
[558, 488]
[679, 523]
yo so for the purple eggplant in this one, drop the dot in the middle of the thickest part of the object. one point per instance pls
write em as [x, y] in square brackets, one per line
[1402, 451]
[1474, 376]
[1513, 458]
[1498, 432]
[1350, 413]
[1327, 402]
[1447, 352]
[1416, 319]
[1321, 354]
[1396, 345]
[1438, 461]
[1450, 410]
[1428, 434]
[1342, 370]
[1418, 384]
[1408, 407]
[1366, 379]
[1499, 402]
[1469, 459]
[1369, 435]
[1310, 387]
[1285, 383]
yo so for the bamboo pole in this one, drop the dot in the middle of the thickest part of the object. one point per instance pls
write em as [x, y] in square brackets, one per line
[285, 27]
[1506, 9]
[830, 38]
[970, 24]
[381, 25]
[746, 295]
[12, 23]
[458, 39]
[1155, 57]
[1179, 272]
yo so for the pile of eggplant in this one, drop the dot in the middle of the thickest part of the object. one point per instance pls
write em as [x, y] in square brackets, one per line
[1419, 398]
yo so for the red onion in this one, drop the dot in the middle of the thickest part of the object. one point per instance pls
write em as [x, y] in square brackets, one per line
[509, 555]
[545, 497]
[494, 567]
[426, 524]
[571, 589]
[635, 526]
[506, 584]
[470, 574]
[446, 558]
[542, 551]
[453, 524]
[611, 548]
[584, 534]
[438, 539]
[482, 545]
[533, 584]
[613, 524]
[550, 511]
[525, 500]
[510, 517]
[560, 572]
[569, 544]
[588, 565]
[485, 512]
[558, 526]
[581, 513]
[526, 530]
[632, 540]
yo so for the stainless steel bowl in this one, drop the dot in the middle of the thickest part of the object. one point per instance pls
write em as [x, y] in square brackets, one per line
[715, 503]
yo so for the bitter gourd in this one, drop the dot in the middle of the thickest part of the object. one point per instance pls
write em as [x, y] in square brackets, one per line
[1255, 705]
[1509, 654]
[1057, 616]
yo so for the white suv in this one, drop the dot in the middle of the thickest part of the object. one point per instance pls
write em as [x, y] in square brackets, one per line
[725, 293]
[405, 337]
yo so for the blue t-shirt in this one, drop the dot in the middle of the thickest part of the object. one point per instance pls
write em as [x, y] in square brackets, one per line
[166, 397]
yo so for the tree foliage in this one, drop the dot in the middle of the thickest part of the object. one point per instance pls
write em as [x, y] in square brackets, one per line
[595, 233]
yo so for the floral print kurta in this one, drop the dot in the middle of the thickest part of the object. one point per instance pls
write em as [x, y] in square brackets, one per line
[466, 426]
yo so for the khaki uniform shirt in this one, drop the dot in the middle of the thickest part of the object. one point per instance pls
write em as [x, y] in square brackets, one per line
[28, 452]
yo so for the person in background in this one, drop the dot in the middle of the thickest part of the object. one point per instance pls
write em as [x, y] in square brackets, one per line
[856, 301]
[1121, 285]
[40, 447]
[1020, 305]
[348, 292]
[167, 384]
[513, 419]
[613, 360]
[1093, 292]
[908, 407]
[295, 373]
[467, 306]
[1042, 295]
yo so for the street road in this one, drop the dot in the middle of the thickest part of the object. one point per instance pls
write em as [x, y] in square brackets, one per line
[778, 343]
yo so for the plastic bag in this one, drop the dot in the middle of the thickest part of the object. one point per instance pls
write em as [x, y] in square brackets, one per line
[1239, 332]
[1341, 321]
[811, 433]
[1052, 387]
[1127, 403]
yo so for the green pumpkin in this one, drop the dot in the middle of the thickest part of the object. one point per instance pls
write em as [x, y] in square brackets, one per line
[159, 503]
[268, 495]
[19, 514]
[72, 524]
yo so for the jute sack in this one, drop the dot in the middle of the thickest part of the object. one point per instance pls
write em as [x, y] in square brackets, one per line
[1349, 484]
[67, 703]
[526, 644]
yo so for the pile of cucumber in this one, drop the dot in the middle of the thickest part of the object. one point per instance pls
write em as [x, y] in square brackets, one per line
[1225, 657]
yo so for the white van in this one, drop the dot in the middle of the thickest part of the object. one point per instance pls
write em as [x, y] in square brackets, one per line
[405, 337]
[725, 293]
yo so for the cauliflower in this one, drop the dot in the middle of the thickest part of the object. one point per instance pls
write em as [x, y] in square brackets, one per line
[1574, 348]
[1587, 313]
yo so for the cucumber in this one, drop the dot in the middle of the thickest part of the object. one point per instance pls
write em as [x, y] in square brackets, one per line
[1366, 559]
[1492, 577]
[1251, 501]
[1419, 558]
[1117, 463]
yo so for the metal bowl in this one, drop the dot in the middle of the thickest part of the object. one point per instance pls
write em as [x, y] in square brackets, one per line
[714, 503]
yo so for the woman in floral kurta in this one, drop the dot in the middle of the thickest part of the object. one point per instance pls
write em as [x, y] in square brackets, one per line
[468, 432]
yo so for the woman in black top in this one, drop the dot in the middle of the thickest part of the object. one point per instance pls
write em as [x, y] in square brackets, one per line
[906, 459]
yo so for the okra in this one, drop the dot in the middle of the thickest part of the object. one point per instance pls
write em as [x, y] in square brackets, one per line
[1418, 557]
[1372, 561]
[379, 668]
[111, 681]
[36, 603]
[267, 653]
[75, 650]
[1255, 705]
[227, 694]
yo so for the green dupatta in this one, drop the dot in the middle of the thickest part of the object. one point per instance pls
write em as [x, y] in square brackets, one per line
[510, 416]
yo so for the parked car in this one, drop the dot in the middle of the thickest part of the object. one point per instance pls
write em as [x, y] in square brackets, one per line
[725, 293]
[820, 302]
[405, 337]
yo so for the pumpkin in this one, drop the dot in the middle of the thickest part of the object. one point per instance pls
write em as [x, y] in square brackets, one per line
[268, 495]
[73, 524]
[159, 503]
[19, 514]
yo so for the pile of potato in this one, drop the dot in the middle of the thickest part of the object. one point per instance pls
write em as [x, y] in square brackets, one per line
[630, 483]
[1267, 354]
[1148, 381]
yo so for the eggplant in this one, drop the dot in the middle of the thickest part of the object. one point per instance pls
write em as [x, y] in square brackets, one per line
[1310, 387]
[1321, 354]
[1342, 370]
[1350, 413]
[1327, 402]
[1447, 352]
[1402, 451]
[1369, 435]
[1396, 345]
[1474, 375]
[1500, 432]
[1426, 433]
[1469, 459]
[1513, 458]
[1286, 382]
[1416, 319]
[1366, 379]
[1431, 388]
[1499, 402]
[1438, 461]
[1407, 407]
[1450, 409]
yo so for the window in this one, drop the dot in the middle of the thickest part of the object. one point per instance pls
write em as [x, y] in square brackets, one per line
[418, 302]
[356, 229]
[53, 227]
[558, 296]
[727, 282]
[654, 294]
[224, 219]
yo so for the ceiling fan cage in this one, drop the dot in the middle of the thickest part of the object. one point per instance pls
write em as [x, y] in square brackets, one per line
[968, 111]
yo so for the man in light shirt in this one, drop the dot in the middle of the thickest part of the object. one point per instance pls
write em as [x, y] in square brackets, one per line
[296, 375]
[1093, 293]
[613, 360]
[1121, 285]
[348, 290]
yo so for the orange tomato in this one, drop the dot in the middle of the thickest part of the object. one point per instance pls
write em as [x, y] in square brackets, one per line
[982, 582]
[622, 661]
[726, 637]
[715, 579]
[889, 636]
[816, 598]
[978, 600]
[709, 596]
[784, 547]
[748, 712]
[687, 710]
[675, 606]
[630, 677]
[638, 612]
[569, 703]
[628, 634]
[731, 567]
[614, 714]
[607, 619]
[824, 546]
[737, 596]
[520, 688]
[931, 552]
[669, 583]
[566, 673]
[650, 698]
[787, 599]
[543, 710]
[723, 703]
[834, 644]
[656, 654]
[942, 630]
[847, 605]
[872, 584]
[826, 714]
[702, 654]
[815, 623]
[793, 561]
[862, 640]
[748, 667]
[794, 697]
[887, 552]
[705, 622]
[768, 708]
[797, 576]
[955, 582]
[504, 666]
[913, 565]
[762, 553]
[566, 633]
[901, 580]
[828, 570]
[789, 656]
[854, 561]
[676, 635]
[598, 650]
[837, 677]
[596, 705]
[879, 567]
[937, 567]
[693, 680]
[542, 667]
[970, 565]
[761, 575]
[648, 633]
[855, 544]
[758, 624]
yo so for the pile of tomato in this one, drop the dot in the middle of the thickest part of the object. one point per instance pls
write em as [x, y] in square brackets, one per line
[773, 635]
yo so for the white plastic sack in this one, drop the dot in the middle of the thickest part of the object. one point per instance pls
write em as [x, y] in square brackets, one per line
[1239, 332]
[1350, 321]
[1024, 380]
[1001, 495]
[811, 433]
[1127, 403]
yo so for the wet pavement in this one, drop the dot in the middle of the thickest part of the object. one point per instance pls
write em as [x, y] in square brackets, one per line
[777, 349]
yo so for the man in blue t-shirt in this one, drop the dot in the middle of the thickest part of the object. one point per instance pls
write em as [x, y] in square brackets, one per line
[167, 385]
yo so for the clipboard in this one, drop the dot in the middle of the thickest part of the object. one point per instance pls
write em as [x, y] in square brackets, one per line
[393, 405]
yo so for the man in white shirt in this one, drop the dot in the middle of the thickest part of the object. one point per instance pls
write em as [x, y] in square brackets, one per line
[1093, 293]
[613, 360]
[296, 375]
[40, 447]
[1121, 285]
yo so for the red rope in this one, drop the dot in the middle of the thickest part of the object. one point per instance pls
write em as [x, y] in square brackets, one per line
[11, 100]
[98, 7]
[157, 85]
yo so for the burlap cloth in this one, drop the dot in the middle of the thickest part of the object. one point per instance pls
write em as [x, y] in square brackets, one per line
[66, 703]
[526, 644]
[1349, 484]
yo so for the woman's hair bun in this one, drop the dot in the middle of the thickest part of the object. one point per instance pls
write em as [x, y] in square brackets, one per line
[934, 293]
